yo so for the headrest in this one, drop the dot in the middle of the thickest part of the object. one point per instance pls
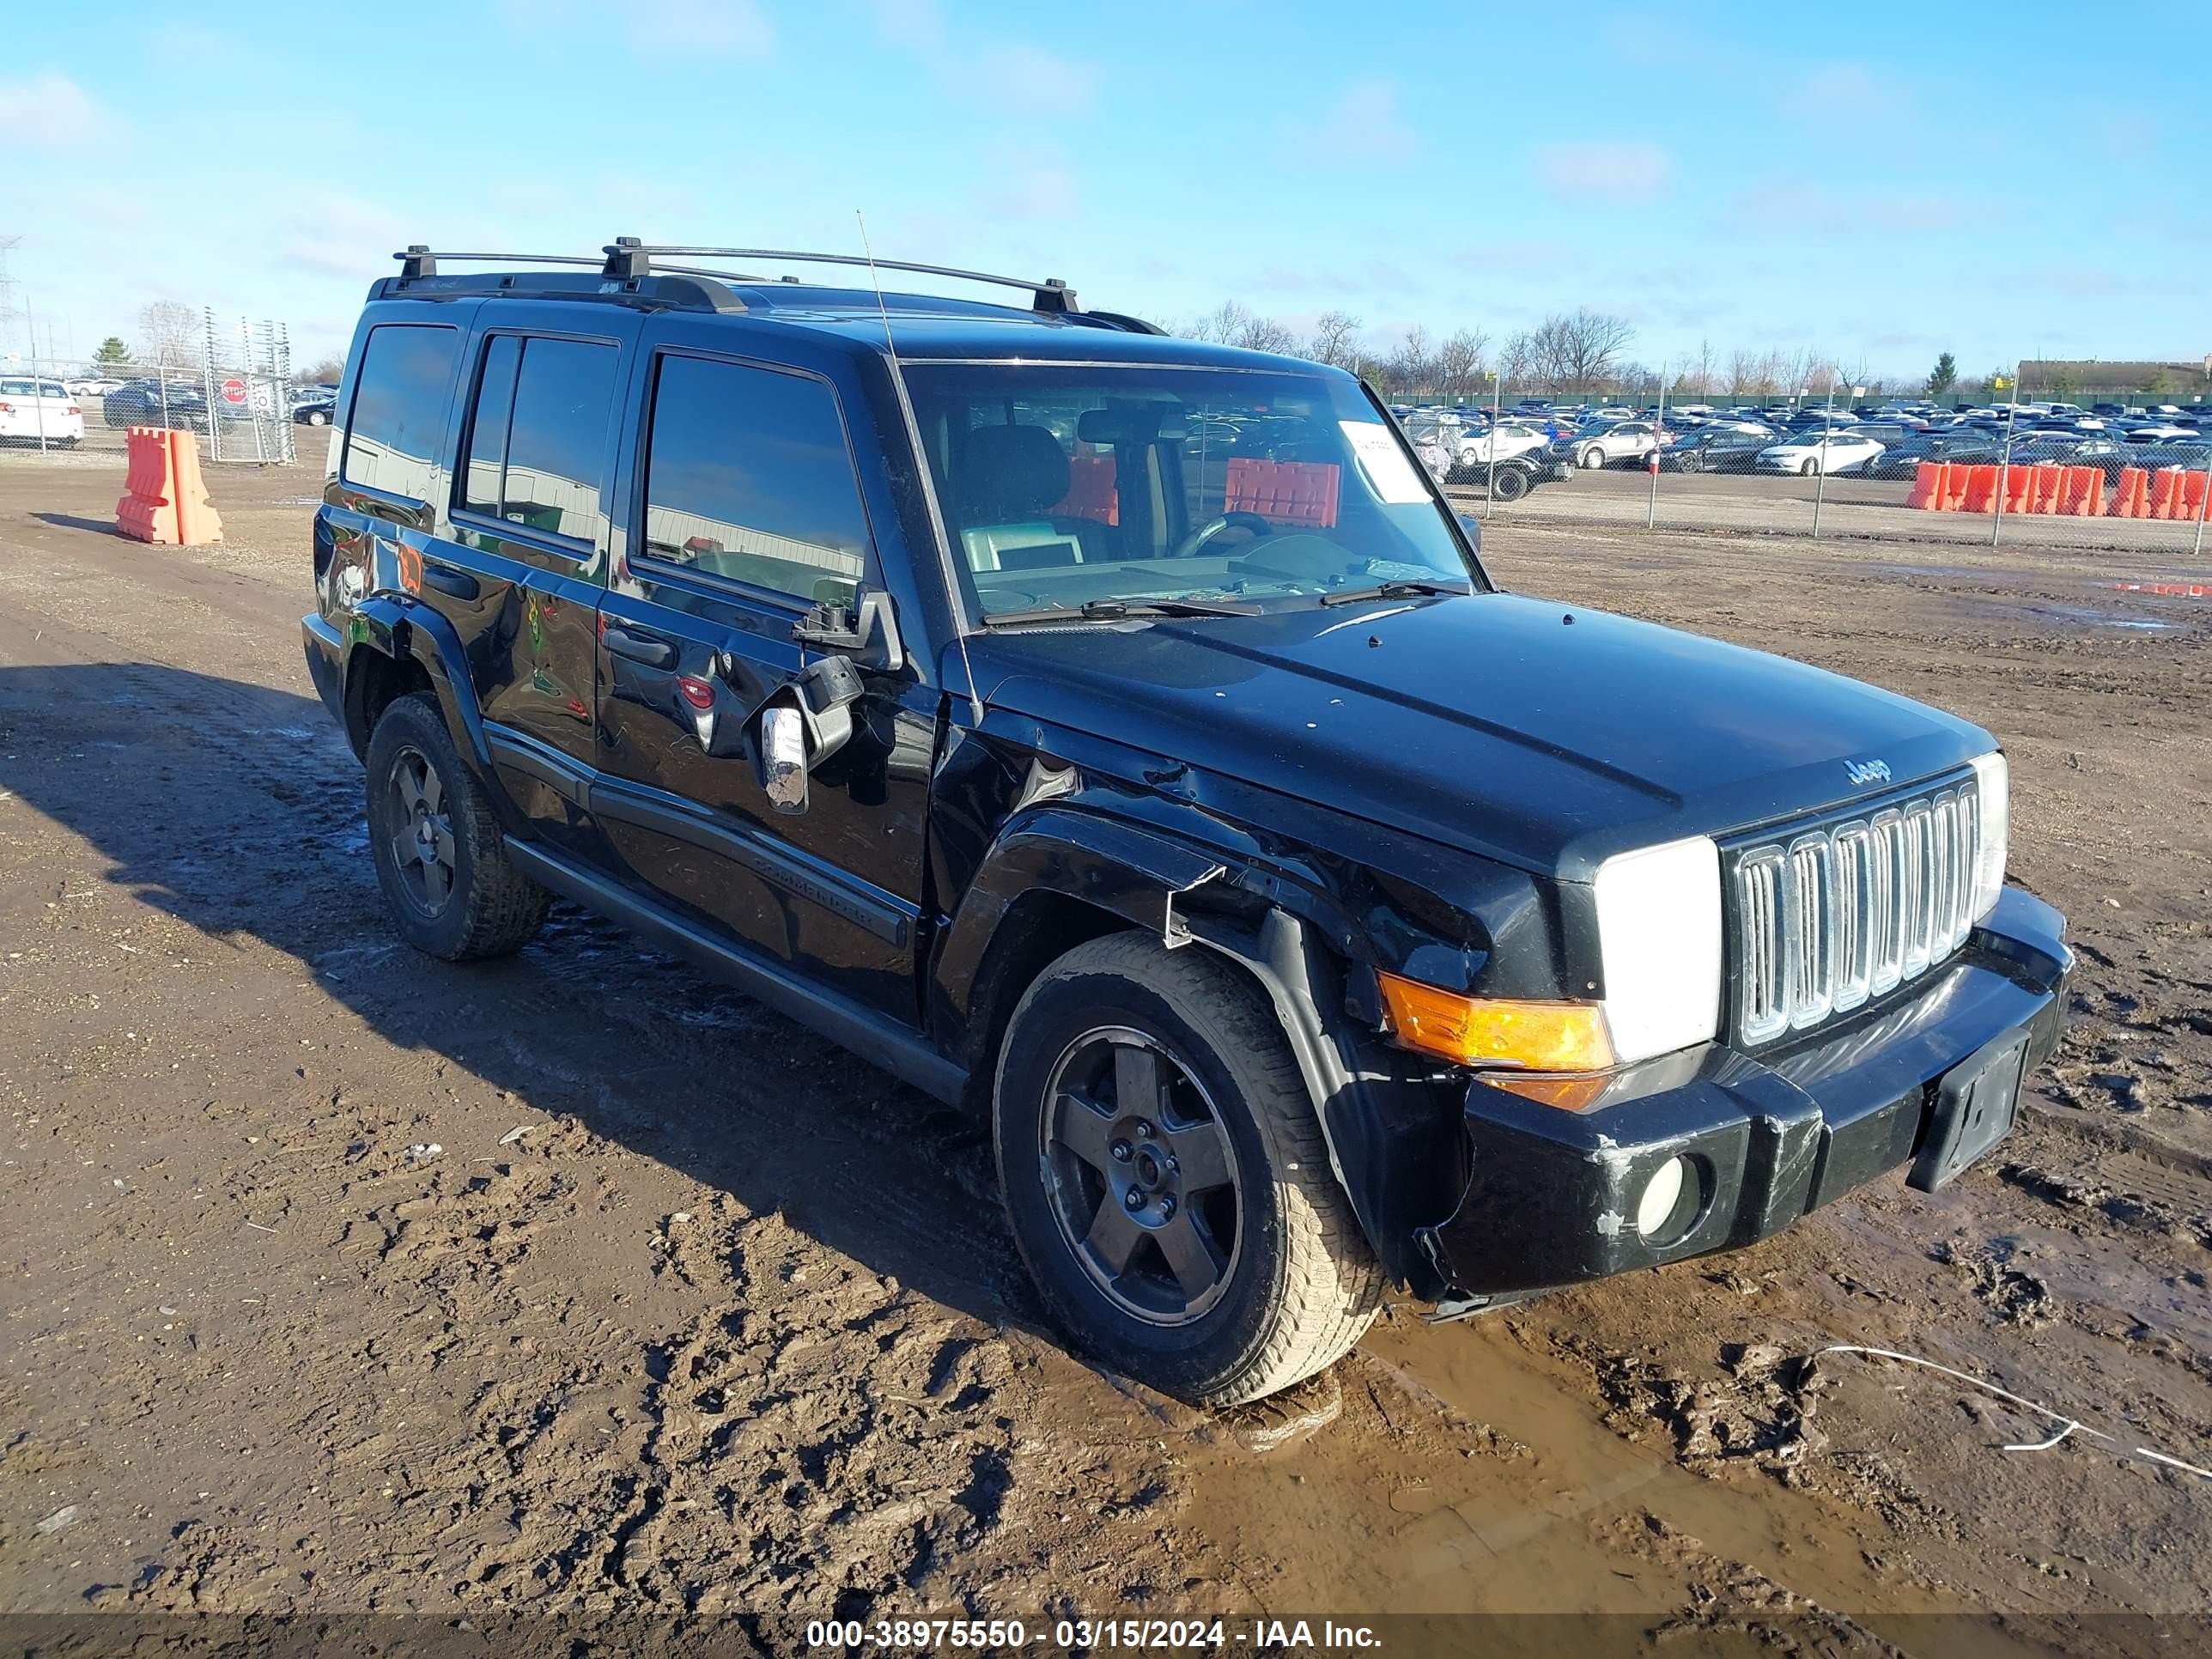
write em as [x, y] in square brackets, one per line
[1011, 472]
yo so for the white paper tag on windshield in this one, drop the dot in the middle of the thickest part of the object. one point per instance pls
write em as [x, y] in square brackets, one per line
[1389, 474]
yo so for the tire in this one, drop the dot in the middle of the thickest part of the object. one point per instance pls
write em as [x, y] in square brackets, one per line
[1594, 458]
[1512, 484]
[481, 905]
[1690, 462]
[1809, 469]
[1294, 1284]
[319, 420]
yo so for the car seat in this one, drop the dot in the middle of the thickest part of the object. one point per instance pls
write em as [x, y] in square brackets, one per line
[1008, 480]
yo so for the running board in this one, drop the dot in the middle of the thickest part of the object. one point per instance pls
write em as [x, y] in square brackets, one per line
[876, 1038]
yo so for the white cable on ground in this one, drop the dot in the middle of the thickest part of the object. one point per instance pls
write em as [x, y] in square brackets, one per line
[2071, 1425]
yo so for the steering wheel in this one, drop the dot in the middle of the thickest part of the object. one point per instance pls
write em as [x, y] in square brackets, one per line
[1205, 532]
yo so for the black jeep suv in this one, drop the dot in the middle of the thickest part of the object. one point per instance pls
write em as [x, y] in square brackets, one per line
[1119, 733]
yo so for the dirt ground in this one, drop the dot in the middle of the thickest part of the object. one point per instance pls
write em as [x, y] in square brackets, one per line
[336, 1280]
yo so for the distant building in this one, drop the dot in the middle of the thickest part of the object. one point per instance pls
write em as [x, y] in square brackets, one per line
[2076, 379]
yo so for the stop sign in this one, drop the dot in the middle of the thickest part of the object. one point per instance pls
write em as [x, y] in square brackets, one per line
[233, 391]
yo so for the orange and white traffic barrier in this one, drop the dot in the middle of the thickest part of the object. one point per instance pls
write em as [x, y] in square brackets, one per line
[164, 498]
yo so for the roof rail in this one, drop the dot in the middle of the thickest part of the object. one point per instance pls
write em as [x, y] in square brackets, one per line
[628, 259]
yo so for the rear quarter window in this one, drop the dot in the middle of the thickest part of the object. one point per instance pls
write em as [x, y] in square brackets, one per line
[399, 408]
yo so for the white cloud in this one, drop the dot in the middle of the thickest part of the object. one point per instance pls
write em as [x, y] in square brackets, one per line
[1363, 123]
[49, 111]
[1038, 191]
[1777, 204]
[714, 28]
[1031, 79]
[1626, 171]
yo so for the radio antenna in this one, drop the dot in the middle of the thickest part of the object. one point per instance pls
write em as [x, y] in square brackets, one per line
[929, 490]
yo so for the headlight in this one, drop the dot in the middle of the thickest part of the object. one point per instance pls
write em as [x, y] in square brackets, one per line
[1992, 842]
[1659, 940]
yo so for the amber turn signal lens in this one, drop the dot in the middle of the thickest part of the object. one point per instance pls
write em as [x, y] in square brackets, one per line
[1538, 1036]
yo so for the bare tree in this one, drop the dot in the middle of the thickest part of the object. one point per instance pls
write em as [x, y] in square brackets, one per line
[1223, 325]
[1516, 358]
[169, 332]
[1265, 334]
[1335, 339]
[1459, 360]
[1411, 367]
[1577, 351]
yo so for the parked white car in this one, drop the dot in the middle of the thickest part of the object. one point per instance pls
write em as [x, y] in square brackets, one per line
[30, 409]
[1509, 439]
[98, 387]
[1807, 453]
[1624, 441]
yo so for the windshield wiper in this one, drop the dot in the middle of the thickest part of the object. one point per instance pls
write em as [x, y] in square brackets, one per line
[1115, 610]
[1395, 590]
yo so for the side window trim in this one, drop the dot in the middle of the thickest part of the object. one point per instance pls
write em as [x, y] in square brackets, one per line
[711, 583]
[581, 549]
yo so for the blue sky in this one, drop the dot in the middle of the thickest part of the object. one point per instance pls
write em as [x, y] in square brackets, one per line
[1880, 182]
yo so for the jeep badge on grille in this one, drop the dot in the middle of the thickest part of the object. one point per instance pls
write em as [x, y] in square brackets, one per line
[1872, 771]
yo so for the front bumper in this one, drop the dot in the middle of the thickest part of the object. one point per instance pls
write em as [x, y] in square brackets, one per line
[1551, 1193]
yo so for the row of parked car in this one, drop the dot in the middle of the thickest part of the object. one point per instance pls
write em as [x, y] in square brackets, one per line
[1885, 442]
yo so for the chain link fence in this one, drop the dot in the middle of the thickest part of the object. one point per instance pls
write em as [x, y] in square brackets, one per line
[232, 384]
[2036, 472]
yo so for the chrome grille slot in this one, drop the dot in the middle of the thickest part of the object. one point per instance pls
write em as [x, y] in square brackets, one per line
[1826, 919]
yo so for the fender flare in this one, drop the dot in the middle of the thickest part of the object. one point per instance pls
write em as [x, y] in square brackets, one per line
[399, 626]
[1385, 1159]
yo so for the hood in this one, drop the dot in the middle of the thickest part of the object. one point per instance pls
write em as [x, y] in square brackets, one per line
[1541, 734]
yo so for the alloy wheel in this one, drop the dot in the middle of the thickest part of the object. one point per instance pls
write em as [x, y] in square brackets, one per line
[1141, 1176]
[421, 830]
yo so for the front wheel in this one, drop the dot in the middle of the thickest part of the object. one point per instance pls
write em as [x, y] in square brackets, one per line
[1593, 458]
[1512, 484]
[1166, 1178]
[439, 854]
[1809, 469]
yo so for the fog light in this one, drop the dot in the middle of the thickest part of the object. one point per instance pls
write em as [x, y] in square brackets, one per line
[1662, 1196]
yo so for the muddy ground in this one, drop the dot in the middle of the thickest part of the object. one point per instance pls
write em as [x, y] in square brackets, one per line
[336, 1279]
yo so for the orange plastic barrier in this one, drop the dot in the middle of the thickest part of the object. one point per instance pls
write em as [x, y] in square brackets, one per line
[2014, 481]
[2166, 493]
[164, 500]
[1981, 491]
[1928, 482]
[2046, 485]
[2193, 487]
[2132, 499]
[2083, 496]
[1302, 493]
[1091, 493]
[1955, 486]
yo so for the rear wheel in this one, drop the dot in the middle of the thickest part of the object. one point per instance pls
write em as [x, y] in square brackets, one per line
[1166, 1178]
[440, 858]
[1511, 485]
[319, 419]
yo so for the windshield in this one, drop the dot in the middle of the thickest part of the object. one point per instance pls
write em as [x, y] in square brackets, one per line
[1061, 486]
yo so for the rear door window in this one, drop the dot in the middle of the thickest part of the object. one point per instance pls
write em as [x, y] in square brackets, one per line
[399, 408]
[538, 431]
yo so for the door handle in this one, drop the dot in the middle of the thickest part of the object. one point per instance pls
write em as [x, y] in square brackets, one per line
[647, 649]
[458, 583]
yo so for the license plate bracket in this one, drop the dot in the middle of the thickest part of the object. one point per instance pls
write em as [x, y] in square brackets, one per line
[1975, 1104]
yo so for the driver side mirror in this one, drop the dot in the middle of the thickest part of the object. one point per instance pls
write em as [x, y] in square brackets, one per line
[867, 630]
[1472, 526]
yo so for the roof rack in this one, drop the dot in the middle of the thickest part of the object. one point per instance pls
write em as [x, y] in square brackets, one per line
[626, 259]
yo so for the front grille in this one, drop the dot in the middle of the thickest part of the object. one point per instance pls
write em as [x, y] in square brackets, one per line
[1828, 919]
